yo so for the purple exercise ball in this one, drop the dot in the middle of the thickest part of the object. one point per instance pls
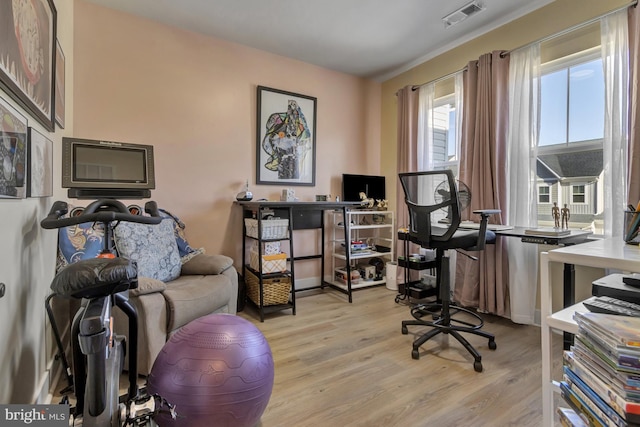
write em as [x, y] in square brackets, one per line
[217, 370]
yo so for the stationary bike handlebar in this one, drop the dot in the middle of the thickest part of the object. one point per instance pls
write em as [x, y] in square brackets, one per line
[102, 210]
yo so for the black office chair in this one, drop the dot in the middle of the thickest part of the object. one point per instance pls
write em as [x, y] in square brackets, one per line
[433, 202]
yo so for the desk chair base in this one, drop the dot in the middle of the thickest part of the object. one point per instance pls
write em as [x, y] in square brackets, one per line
[444, 323]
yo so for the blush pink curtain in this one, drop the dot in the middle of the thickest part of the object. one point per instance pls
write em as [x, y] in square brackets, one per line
[484, 283]
[407, 136]
[634, 109]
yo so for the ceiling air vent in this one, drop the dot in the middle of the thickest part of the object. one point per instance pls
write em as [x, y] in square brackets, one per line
[463, 13]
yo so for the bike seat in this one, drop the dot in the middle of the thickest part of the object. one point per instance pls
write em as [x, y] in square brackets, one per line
[97, 277]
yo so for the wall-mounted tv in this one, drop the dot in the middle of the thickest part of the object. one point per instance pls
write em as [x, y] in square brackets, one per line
[95, 169]
[352, 185]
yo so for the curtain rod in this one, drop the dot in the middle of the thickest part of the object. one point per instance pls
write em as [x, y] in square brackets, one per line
[446, 76]
[573, 28]
[544, 39]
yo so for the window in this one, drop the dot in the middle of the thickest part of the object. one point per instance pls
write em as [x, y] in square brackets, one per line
[544, 194]
[572, 103]
[578, 194]
[570, 137]
[445, 150]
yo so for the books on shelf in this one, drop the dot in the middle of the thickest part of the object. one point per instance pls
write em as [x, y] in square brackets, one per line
[547, 231]
[619, 332]
[569, 418]
[601, 373]
[598, 398]
[580, 406]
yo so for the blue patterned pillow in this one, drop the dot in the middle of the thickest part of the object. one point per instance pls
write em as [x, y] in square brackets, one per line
[185, 249]
[153, 247]
[78, 242]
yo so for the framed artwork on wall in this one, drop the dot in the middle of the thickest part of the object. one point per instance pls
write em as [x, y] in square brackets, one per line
[13, 152]
[286, 138]
[40, 161]
[27, 56]
[59, 85]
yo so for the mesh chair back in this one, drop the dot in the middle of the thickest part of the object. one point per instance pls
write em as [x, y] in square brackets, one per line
[432, 201]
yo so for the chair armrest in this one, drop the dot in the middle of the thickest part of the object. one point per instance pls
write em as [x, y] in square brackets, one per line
[147, 285]
[204, 264]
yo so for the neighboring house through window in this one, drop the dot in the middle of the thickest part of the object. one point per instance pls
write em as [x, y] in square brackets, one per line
[570, 155]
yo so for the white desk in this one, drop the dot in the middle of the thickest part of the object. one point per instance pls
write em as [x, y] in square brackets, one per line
[606, 253]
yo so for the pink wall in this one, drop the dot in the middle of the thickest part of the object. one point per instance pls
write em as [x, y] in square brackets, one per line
[194, 99]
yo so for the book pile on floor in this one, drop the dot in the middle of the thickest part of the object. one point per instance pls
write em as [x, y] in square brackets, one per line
[601, 381]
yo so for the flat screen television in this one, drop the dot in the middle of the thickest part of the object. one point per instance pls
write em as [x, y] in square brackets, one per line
[373, 186]
[96, 169]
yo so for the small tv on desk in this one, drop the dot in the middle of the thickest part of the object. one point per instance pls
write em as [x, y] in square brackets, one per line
[352, 185]
[94, 169]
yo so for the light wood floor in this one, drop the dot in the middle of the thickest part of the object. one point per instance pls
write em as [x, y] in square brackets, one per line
[341, 364]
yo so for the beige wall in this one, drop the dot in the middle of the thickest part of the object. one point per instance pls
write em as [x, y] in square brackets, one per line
[551, 19]
[194, 98]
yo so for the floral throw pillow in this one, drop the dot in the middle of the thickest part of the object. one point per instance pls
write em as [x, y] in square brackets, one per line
[153, 247]
[184, 248]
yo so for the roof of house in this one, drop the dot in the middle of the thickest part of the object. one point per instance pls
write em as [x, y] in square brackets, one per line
[570, 165]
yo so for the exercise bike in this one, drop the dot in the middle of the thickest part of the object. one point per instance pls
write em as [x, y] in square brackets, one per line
[98, 353]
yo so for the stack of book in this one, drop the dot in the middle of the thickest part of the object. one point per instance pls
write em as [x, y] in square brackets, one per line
[601, 380]
[547, 231]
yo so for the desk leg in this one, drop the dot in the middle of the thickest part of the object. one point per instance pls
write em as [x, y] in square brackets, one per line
[569, 297]
[546, 343]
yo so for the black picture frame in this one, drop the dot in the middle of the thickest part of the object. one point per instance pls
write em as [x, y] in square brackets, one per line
[13, 152]
[285, 138]
[27, 56]
[40, 161]
[60, 86]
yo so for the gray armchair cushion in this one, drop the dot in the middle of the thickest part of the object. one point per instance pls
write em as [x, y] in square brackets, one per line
[205, 264]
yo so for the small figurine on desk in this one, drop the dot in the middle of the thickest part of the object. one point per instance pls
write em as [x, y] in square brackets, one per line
[555, 213]
[365, 201]
[381, 204]
[565, 216]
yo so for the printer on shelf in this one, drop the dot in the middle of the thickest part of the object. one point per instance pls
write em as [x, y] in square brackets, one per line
[625, 287]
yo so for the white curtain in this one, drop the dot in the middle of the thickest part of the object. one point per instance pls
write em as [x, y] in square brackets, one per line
[459, 100]
[426, 96]
[524, 107]
[615, 61]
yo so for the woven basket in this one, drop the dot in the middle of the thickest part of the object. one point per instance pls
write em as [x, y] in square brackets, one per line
[275, 291]
[271, 228]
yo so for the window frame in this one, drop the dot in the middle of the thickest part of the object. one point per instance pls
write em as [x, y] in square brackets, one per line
[567, 62]
[584, 193]
[453, 162]
[548, 194]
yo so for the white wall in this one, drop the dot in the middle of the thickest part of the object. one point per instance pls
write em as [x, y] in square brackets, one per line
[27, 261]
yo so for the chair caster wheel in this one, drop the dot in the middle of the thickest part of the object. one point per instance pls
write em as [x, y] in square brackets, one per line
[477, 366]
[415, 354]
[405, 330]
[492, 345]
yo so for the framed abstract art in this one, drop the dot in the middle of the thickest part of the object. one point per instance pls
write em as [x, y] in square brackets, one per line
[286, 138]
